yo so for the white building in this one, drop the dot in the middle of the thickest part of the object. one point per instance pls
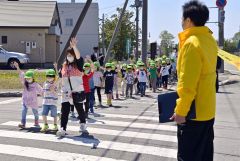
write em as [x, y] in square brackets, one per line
[88, 35]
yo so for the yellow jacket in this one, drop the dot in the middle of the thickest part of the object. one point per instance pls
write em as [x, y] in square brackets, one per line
[196, 68]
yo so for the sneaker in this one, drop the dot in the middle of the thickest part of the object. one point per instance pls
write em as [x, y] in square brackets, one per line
[99, 104]
[55, 127]
[61, 133]
[73, 114]
[22, 126]
[36, 123]
[83, 127]
[44, 128]
[110, 105]
[59, 116]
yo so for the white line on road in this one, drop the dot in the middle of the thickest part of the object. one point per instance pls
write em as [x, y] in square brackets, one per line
[101, 131]
[112, 145]
[102, 121]
[108, 115]
[48, 154]
[10, 101]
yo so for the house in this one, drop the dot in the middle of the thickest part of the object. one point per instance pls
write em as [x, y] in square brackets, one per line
[31, 27]
[88, 34]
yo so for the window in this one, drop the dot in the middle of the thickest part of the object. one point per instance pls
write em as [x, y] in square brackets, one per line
[69, 22]
[4, 39]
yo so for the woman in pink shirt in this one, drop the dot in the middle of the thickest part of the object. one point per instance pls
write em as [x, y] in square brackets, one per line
[29, 95]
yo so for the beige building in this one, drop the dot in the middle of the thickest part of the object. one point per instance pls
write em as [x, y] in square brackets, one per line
[31, 27]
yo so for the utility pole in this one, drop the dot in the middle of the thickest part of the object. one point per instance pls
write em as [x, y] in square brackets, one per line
[115, 32]
[221, 18]
[75, 30]
[103, 35]
[144, 30]
[137, 5]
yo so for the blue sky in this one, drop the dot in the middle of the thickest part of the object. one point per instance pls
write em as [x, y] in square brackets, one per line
[166, 15]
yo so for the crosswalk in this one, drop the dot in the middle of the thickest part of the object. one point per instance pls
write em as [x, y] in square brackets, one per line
[111, 136]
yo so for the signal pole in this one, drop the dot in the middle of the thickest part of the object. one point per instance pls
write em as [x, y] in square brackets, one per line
[144, 30]
[221, 18]
[137, 4]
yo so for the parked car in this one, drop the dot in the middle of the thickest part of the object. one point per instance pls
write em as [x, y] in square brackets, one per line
[7, 58]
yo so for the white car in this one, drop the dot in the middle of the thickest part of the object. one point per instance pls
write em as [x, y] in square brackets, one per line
[7, 58]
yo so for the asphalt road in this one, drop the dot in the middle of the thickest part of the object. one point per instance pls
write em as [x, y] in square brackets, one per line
[128, 131]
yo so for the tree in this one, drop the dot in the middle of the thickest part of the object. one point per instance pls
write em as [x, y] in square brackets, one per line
[167, 42]
[236, 37]
[230, 45]
[127, 30]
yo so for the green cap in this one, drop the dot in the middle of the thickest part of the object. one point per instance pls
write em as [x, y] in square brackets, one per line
[129, 67]
[96, 64]
[50, 72]
[141, 64]
[108, 65]
[124, 65]
[163, 62]
[87, 65]
[29, 74]
[152, 64]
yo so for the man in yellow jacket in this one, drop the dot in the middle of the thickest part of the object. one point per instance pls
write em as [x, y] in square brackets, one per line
[196, 68]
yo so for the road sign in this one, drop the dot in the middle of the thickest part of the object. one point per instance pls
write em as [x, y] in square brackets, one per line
[221, 3]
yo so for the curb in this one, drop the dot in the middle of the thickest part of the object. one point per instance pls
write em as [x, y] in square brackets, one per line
[10, 94]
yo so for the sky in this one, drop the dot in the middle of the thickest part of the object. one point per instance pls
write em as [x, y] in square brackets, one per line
[167, 14]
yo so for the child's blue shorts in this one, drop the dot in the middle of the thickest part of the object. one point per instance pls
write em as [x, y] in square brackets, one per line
[47, 108]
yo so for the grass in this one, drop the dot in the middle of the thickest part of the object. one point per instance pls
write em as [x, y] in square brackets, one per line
[9, 79]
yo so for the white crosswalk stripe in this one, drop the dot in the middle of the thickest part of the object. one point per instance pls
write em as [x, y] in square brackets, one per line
[109, 115]
[114, 145]
[103, 131]
[102, 121]
[10, 101]
[121, 133]
[52, 155]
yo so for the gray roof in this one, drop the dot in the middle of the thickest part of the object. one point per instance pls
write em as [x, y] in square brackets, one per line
[26, 13]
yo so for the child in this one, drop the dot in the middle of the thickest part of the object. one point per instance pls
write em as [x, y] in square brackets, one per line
[115, 85]
[109, 82]
[50, 97]
[123, 82]
[129, 77]
[142, 79]
[98, 81]
[164, 73]
[29, 95]
[88, 74]
[153, 76]
[159, 79]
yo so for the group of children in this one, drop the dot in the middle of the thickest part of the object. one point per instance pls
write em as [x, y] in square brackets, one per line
[132, 77]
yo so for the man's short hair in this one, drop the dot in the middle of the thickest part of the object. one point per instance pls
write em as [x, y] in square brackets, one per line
[196, 11]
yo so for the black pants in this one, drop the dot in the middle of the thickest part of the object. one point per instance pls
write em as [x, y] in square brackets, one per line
[195, 141]
[217, 82]
[98, 93]
[129, 87]
[87, 102]
[65, 112]
[165, 81]
[72, 108]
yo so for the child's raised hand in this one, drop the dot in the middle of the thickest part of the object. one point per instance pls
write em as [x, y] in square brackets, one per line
[73, 42]
[16, 65]
[55, 65]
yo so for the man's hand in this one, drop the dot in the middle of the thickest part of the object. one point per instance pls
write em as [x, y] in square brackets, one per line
[178, 119]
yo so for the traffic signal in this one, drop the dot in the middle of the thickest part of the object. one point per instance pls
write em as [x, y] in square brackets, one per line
[221, 15]
[153, 50]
